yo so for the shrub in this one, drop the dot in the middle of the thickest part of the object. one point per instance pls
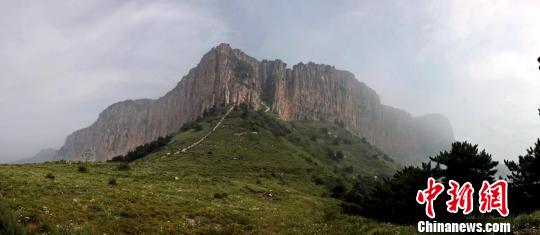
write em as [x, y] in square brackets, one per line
[338, 156]
[49, 176]
[526, 221]
[123, 167]
[339, 190]
[83, 169]
[112, 181]
[330, 153]
[348, 170]
[8, 223]
[384, 199]
[318, 180]
[347, 141]
[211, 112]
[220, 195]
[143, 150]
[244, 110]
[197, 127]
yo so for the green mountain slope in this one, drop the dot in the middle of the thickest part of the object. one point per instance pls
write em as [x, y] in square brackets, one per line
[253, 174]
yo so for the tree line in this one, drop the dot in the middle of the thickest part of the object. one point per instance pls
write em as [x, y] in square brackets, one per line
[392, 199]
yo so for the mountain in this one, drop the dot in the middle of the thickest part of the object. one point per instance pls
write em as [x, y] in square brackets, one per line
[43, 155]
[252, 173]
[226, 76]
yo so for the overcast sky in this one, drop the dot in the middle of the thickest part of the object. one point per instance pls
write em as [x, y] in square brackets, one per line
[62, 62]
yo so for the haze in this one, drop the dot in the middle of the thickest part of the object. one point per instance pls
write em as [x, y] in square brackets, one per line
[62, 62]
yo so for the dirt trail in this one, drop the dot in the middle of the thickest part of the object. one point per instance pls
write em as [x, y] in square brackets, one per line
[266, 107]
[207, 134]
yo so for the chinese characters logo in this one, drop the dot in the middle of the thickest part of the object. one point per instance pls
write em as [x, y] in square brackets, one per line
[490, 197]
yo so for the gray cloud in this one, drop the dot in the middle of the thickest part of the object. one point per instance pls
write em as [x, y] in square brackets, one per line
[64, 61]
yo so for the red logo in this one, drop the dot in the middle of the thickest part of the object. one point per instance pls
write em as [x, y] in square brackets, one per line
[460, 198]
[491, 197]
[429, 195]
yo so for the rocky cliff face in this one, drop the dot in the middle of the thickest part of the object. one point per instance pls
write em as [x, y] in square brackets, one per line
[229, 76]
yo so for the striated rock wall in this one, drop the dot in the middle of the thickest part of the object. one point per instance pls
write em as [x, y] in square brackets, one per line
[229, 76]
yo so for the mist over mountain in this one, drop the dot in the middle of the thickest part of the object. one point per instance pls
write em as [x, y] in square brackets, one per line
[227, 76]
[43, 155]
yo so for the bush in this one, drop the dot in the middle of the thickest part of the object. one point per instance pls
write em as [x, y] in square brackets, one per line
[211, 112]
[8, 223]
[259, 120]
[318, 180]
[384, 199]
[348, 169]
[526, 221]
[112, 181]
[143, 150]
[123, 167]
[83, 169]
[220, 195]
[338, 156]
[197, 127]
[339, 190]
[49, 176]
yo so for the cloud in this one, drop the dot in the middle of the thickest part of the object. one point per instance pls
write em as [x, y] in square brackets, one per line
[490, 51]
[65, 62]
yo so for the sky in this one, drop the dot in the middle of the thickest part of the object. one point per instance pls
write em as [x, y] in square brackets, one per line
[63, 62]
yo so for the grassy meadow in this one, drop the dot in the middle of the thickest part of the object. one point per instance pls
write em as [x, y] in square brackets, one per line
[254, 174]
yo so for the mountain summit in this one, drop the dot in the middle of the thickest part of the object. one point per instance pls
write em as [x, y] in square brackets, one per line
[227, 76]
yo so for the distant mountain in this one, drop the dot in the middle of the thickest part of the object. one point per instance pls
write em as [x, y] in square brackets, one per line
[227, 76]
[43, 155]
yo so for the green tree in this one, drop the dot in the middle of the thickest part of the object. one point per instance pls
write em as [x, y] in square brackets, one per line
[391, 199]
[464, 163]
[525, 180]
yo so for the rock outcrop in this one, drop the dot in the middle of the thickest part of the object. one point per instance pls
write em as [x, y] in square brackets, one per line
[229, 76]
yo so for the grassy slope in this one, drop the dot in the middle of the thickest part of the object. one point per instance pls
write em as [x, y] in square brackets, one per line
[265, 167]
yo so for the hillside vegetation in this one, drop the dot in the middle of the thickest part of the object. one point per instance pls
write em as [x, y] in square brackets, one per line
[254, 174]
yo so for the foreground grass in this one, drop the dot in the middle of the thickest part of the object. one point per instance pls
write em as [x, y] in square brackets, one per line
[144, 200]
[253, 175]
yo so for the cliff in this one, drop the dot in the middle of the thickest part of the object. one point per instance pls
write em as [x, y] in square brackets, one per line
[229, 76]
